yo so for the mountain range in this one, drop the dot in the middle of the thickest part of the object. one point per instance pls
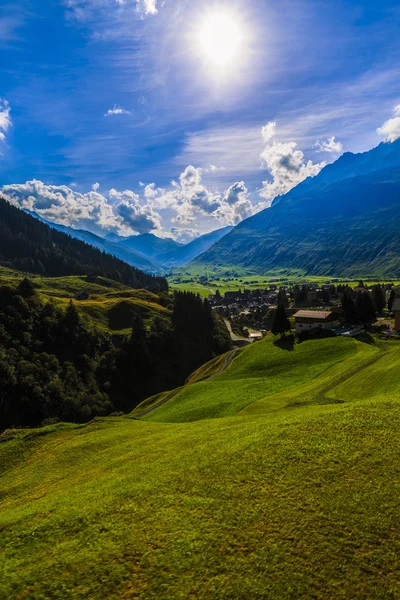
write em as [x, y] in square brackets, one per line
[344, 221]
[146, 251]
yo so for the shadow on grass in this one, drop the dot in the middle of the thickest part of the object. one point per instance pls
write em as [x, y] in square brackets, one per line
[286, 343]
[365, 337]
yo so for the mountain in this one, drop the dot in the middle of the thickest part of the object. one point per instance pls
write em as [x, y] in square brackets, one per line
[184, 254]
[27, 244]
[148, 245]
[345, 221]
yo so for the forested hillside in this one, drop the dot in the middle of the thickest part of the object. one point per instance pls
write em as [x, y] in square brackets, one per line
[55, 366]
[29, 245]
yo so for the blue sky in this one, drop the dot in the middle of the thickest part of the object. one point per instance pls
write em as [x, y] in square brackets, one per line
[114, 116]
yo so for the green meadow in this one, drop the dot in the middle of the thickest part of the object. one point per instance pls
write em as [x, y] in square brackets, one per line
[278, 477]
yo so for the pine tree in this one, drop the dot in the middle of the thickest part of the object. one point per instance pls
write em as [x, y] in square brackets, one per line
[392, 298]
[378, 298]
[280, 323]
[349, 307]
[26, 288]
[282, 298]
[365, 307]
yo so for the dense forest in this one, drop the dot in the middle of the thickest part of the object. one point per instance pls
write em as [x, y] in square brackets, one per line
[27, 244]
[53, 366]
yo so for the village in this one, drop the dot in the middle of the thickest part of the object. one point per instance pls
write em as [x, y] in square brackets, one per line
[333, 308]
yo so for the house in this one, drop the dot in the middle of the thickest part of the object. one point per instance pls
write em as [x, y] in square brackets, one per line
[311, 319]
[396, 311]
[255, 336]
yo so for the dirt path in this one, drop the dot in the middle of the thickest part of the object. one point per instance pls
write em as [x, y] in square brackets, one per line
[227, 361]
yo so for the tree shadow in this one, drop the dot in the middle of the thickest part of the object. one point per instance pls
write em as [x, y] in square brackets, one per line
[286, 343]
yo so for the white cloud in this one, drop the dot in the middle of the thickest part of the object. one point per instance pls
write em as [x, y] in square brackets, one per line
[117, 110]
[286, 164]
[391, 128]
[5, 118]
[147, 7]
[331, 145]
[237, 197]
[88, 10]
[120, 212]
[95, 187]
[268, 131]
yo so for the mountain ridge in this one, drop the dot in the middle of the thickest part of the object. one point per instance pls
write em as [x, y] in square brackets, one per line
[336, 223]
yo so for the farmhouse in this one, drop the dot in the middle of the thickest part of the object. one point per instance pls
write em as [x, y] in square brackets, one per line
[310, 319]
[396, 311]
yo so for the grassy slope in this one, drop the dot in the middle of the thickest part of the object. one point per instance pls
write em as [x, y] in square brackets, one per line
[295, 497]
[104, 308]
[258, 371]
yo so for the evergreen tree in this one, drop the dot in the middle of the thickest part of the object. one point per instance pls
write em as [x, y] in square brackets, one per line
[280, 323]
[282, 298]
[365, 307]
[349, 307]
[379, 298]
[392, 298]
[26, 288]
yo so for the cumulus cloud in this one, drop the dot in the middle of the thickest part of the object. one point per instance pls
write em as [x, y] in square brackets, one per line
[331, 145]
[119, 212]
[95, 187]
[5, 118]
[286, 164]
[391, 128]
[117, 110]
[237, 197]
[141, 219]
[268, 131]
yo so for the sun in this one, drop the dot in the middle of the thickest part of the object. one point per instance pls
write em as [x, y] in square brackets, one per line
[220, 39]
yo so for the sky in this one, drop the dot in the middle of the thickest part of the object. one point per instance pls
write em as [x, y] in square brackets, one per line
[178, 117]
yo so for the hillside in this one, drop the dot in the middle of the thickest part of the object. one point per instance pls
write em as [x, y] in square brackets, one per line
[342, 222]
[301, 480]
[110, 306]
[27, 244]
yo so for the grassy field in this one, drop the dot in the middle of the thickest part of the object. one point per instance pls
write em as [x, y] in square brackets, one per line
[111, 305]
[228, 280]
[292, 492]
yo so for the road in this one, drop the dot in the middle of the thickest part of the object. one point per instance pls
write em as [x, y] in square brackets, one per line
[234, 337]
